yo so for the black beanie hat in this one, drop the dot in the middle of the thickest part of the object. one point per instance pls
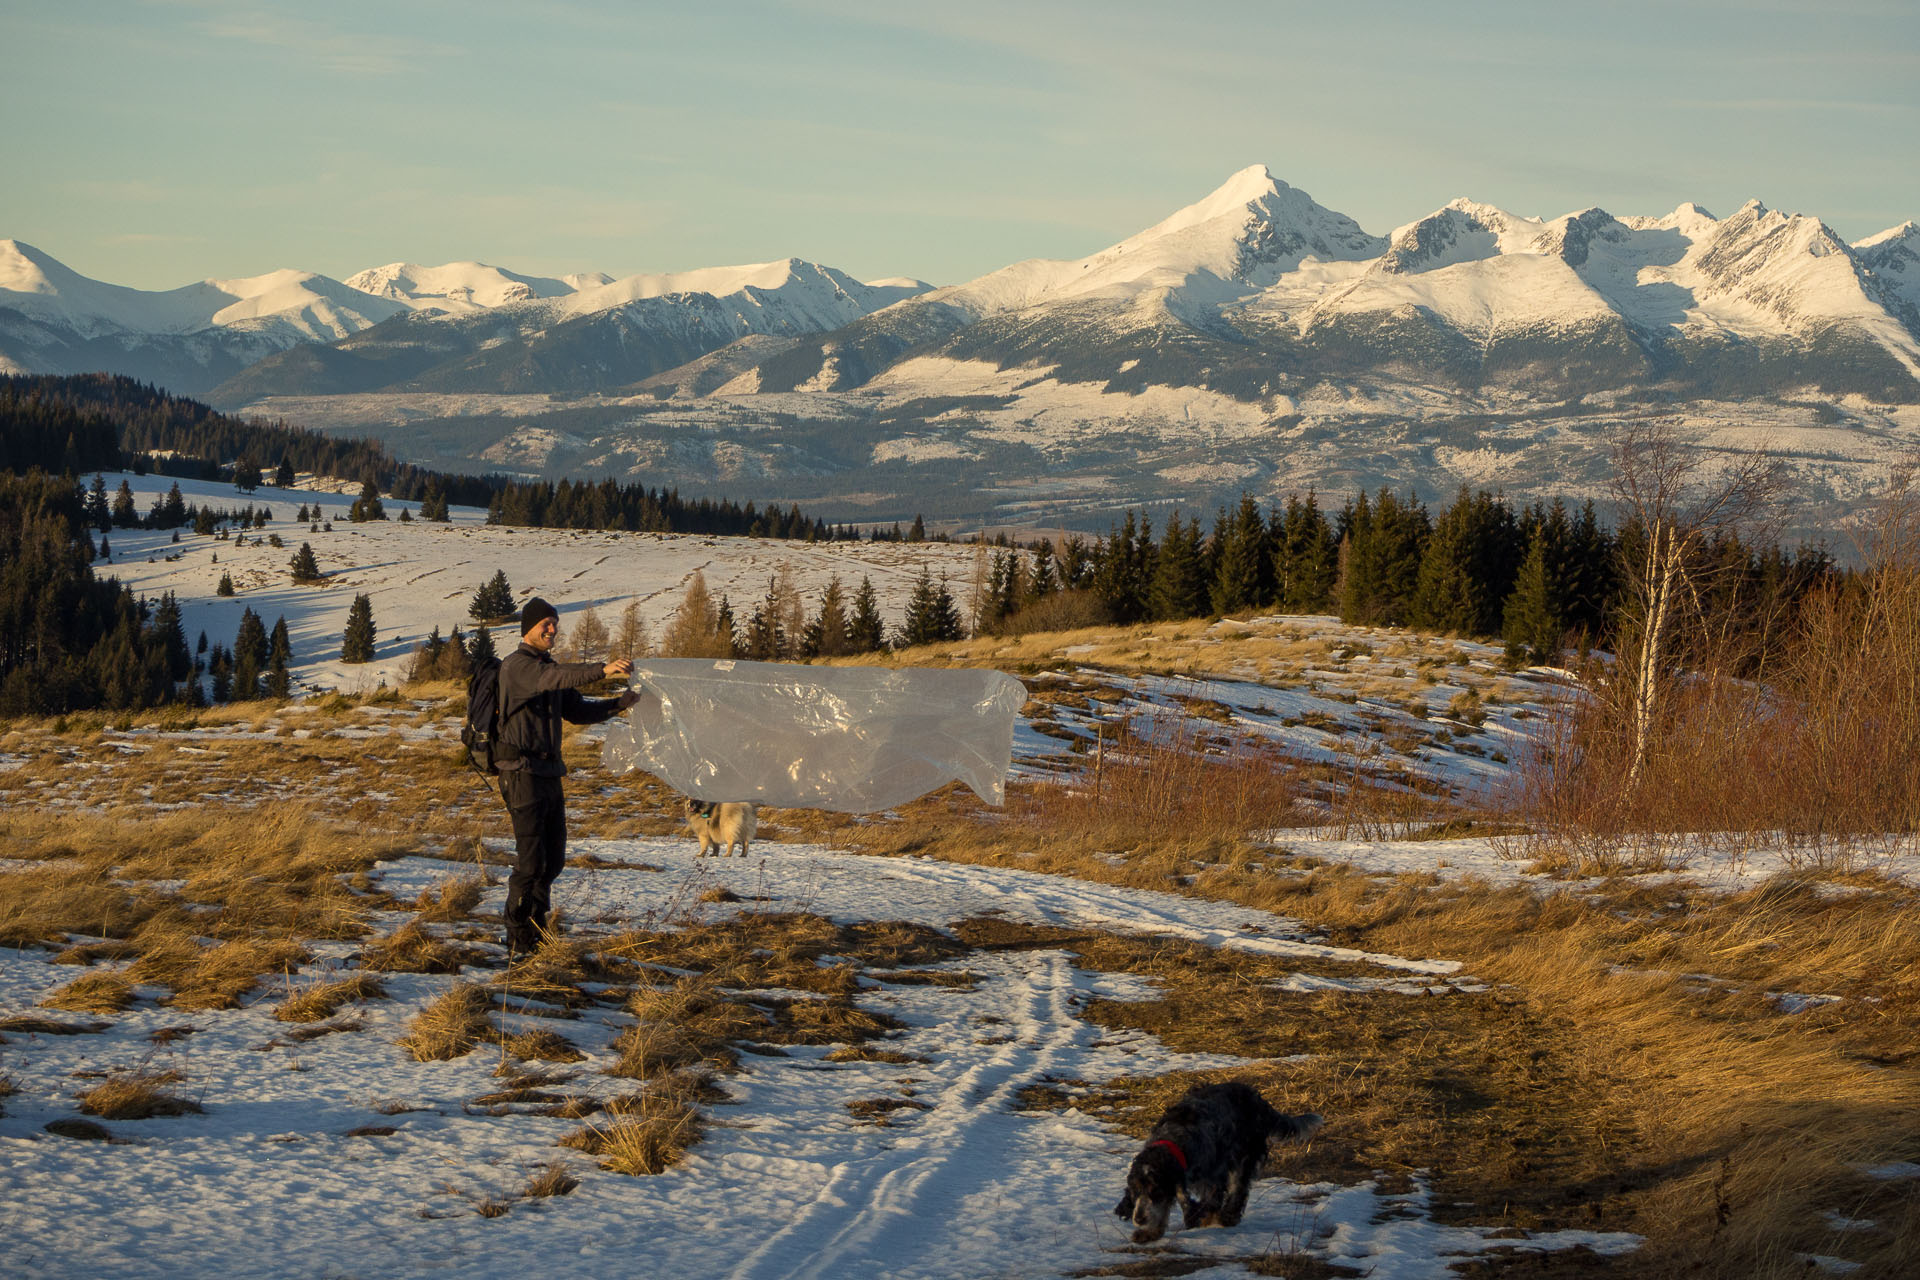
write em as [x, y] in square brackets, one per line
[533, 612]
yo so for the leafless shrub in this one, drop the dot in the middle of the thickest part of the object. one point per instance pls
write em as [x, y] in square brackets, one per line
[1170, 781]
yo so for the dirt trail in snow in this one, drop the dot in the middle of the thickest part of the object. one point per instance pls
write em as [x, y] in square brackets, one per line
[896, 1205]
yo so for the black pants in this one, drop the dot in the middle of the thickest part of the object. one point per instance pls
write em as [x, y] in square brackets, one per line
[538, 807]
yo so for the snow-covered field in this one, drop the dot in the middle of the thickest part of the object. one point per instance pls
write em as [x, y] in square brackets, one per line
[269, 1181]
[421, 575]
[339, 1156]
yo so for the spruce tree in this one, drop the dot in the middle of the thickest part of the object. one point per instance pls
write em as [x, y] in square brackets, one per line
[367, 506]
[1307, 558]
[251, 650]
[1043, 579]
[279, 656]
[1243, 572]
[356, 645]
[283, 477]
[828, 635]
[866, 632]
[1179, 588]
[493, 603]
[166, 631]
[480, 649]
[226, 585]
[306, 568]
[1536, 612]
[99, 511]
[124, 514]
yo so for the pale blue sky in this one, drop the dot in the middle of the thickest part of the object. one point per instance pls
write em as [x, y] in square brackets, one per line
[157, 143]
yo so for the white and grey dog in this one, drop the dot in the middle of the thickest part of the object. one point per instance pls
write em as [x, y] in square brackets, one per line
[721, 826]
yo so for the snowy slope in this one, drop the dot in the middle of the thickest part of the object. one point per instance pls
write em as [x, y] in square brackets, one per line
[1249, 232]
[462, 286]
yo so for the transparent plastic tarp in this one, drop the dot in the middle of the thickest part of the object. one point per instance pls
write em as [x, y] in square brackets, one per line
[851, 739]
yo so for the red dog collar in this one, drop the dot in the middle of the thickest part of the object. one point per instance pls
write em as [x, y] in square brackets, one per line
[1178, 1154]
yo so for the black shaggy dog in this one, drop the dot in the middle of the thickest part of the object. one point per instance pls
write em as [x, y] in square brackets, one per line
[1205, 1149]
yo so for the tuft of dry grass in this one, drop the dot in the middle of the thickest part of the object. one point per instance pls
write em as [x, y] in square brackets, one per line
[135, 1095]
[93, 993]
[174, 955]
[452, 1025]
[554, 1179]
[648, 1137]
[685, 1024]
[454, 898]
[321, 1001]
[413, 948]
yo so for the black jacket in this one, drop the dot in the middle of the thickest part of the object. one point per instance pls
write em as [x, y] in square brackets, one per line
[536, 694]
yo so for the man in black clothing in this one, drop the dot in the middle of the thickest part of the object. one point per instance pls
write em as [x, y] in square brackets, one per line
[536, 694]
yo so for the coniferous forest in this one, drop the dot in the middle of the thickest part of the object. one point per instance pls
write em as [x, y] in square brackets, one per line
[1541, 577]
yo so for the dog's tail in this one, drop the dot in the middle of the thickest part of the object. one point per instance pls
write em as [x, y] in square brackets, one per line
[1297, 1128]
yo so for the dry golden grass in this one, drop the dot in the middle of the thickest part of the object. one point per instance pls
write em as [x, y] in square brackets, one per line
[451, 1026]
[324, 999]
[93, 993]
[454, 898]
[135, 1095]
[649, 1135]
[686, 1024]
[413, 948]
[554, 1179]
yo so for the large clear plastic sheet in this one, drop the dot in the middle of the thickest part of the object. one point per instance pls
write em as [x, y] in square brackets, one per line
[851, 739]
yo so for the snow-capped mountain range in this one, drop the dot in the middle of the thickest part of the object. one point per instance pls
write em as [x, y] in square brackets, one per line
[1252, 339]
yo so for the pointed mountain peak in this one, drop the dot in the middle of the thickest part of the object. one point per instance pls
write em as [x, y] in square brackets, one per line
[1907, 233]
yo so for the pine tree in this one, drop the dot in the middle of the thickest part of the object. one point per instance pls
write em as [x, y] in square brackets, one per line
[124, 515]
[99, 511]
[279, 655]
[251, 650]
[246, 474]
[493, 603]
[1125, 568]
[165, 631]
[283, 478]
[480, 649]
[1179, 588]
[1044, 579]
[932, 615]
[726, 633]
[866, 633]
[226, 585]
[1306, 558]
[367, 506]
[1243, 568]
[829, 634]
[356, 645]
[306, 567]
[1536, 612]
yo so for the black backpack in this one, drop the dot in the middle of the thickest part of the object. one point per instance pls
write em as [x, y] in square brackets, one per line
[481, 732]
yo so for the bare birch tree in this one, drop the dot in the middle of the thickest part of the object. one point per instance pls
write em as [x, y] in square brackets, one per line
[1676, 503]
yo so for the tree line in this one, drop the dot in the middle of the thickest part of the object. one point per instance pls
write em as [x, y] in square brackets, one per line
[104, 422]
[1542, 577]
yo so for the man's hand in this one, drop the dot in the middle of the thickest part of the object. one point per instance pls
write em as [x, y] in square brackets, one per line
[619, 668]
[629, 698]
